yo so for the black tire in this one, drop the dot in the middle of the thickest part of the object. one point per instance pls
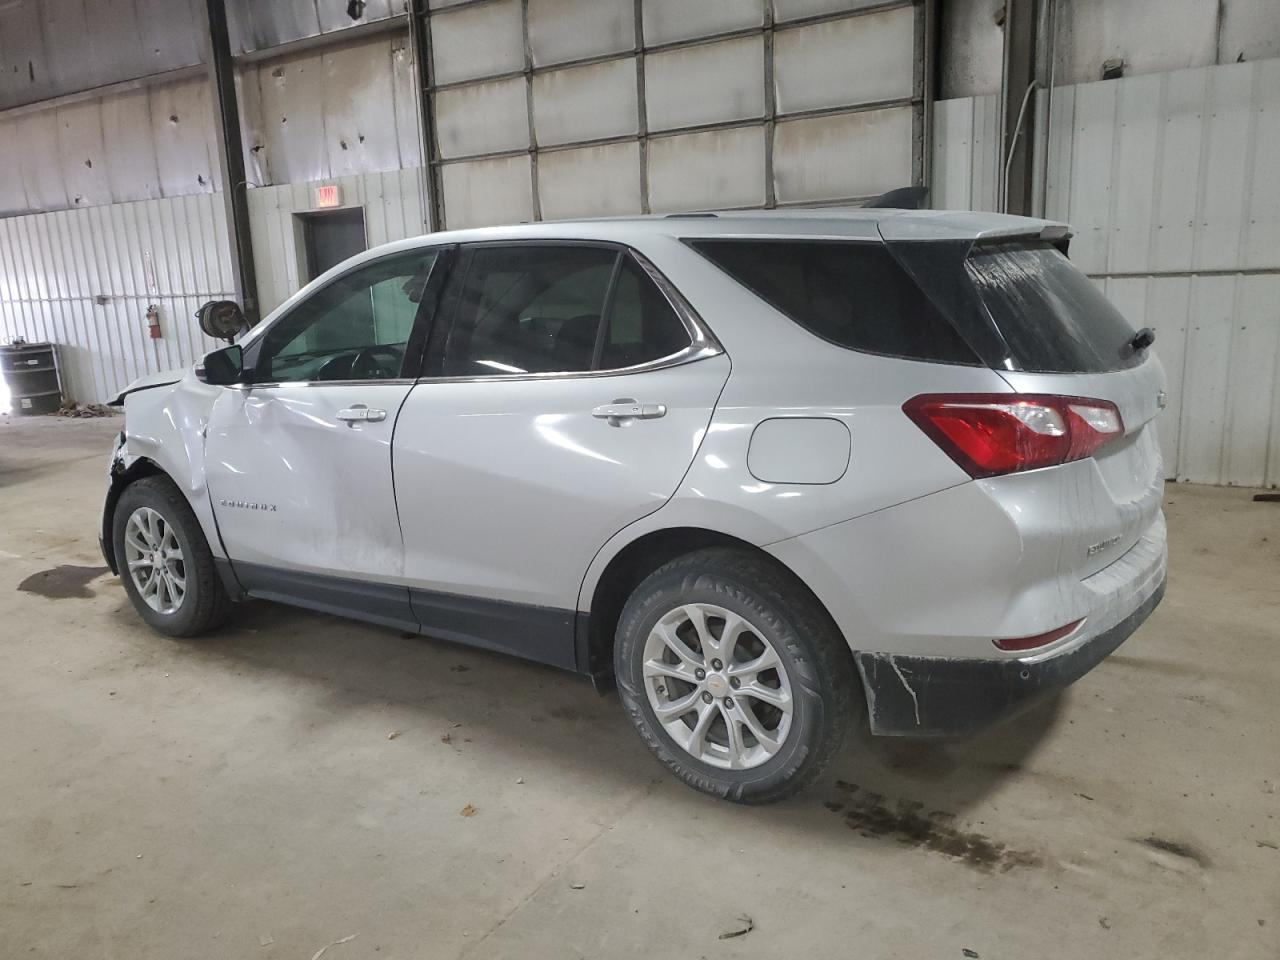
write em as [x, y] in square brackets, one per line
[205, 604]
[824, 685]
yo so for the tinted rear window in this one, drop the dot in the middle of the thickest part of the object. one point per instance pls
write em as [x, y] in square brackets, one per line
[851, 293]
[1053, 318]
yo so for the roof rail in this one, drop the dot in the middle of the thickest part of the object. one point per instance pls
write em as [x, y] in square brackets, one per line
[690, 216]
[904, 198]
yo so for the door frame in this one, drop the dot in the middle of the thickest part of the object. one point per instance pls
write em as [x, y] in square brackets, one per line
[303, 245]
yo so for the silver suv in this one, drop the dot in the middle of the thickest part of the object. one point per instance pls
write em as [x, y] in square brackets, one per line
[764, 471]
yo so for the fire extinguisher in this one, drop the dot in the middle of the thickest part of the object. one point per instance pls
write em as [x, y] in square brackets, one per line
[153, 321]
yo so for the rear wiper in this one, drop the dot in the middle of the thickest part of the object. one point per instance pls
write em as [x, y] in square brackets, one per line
[1141, 340]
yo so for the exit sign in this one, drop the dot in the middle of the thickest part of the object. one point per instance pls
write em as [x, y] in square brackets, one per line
[328, 196]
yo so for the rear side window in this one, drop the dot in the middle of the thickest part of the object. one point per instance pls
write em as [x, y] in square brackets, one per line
[851, 293]
[546, 308]
[643, 327]
[1053, 318]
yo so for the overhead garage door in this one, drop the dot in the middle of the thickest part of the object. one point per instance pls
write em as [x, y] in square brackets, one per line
[546, 109]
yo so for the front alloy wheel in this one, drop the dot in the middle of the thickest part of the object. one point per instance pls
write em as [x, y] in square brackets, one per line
[165, 561]
[154, 560]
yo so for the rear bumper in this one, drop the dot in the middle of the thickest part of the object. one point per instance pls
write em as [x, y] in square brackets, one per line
[941, 696]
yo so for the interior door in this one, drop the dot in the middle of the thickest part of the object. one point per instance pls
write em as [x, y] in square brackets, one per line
[299, 461]
[568, 400]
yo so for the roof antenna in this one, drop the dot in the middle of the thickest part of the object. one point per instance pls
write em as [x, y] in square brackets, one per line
[904, 198]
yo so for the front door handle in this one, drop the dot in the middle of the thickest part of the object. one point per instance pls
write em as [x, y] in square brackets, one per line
[626, 409]
[359, 413]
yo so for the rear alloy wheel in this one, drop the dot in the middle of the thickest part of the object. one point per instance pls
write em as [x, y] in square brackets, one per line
[717, 686]
[734, 675]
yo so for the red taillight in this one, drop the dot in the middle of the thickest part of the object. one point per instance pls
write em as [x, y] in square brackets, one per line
[989, 434]
[1039, 640]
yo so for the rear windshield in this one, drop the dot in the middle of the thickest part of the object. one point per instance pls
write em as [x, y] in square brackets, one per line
[1051, 316]
[852, 293]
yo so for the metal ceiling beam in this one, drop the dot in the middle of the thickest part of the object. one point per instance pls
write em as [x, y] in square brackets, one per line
[226, 117]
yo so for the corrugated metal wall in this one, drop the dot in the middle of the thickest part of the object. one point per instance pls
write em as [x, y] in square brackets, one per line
[1170, 183]
[394, 208]
[83, 279]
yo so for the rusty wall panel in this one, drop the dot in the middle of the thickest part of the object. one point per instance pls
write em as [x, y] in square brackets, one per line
[65, 46]
[131, 165]
[300, 111]
[41, 179]
[182, 129]
[82, 155]
[259, 24]
[359, 109]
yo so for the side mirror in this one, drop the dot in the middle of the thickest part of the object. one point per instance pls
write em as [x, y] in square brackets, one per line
[221, 319]
[222, 367]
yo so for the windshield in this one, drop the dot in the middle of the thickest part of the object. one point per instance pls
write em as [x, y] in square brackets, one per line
[1053, 318]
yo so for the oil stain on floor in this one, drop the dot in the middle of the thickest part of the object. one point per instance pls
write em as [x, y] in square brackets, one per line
[1177, 848]
[61, 582]
[907, 822]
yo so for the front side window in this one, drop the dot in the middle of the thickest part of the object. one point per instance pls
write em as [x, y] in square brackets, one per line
[355, 328]
[548, 308]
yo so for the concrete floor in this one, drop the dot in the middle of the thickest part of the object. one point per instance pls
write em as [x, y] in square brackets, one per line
[297, 780]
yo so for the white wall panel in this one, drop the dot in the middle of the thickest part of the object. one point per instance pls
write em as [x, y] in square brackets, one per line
[846, 62]
[668, 20]
[483, 117]
[1262, 230]
[964, 166]
[726, 76]
[590, 181]
[477, 41]
[716, 168]
[1252, 375]
[1168, 182]
[484, 192]
[842, 155]
[564, 30]
[585, 103]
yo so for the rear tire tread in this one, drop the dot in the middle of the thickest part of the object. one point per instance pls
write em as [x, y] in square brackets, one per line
[823, 666]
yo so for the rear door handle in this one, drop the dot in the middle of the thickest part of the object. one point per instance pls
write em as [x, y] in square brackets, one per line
[626, 409]
[359, 413]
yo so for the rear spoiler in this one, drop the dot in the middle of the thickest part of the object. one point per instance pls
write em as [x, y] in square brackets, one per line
[904, 198]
